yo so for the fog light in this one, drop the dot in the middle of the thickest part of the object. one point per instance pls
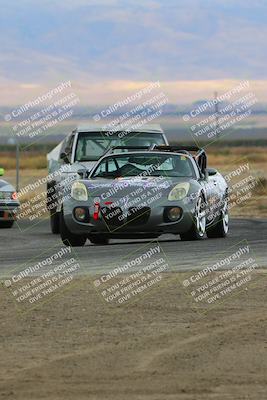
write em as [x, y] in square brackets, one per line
[174, 213]
[80, 214]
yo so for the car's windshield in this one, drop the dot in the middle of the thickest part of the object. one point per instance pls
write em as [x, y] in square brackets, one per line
[91, 146]
[144, 164]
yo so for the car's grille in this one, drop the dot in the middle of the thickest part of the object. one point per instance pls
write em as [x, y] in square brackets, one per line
[5, 214]
[112, 216]
[138, 217]
[5, 195]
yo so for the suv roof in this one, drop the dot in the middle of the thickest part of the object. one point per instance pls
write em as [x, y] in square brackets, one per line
[146, 128]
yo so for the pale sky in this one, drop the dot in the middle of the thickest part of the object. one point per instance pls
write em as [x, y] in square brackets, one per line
[111, 48]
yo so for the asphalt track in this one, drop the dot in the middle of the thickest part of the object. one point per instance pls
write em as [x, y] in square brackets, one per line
[25, 242]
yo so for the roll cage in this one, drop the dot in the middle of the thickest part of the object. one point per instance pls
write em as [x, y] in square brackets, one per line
[197, 153]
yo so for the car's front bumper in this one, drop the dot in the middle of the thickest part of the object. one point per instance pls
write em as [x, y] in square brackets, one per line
[8, 210]
[154, 225]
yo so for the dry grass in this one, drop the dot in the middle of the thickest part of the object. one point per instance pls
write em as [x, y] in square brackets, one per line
[225, 160]
[228, 155]
[28, 160]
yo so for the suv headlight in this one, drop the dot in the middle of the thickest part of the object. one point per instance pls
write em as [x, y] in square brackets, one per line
[179, 191]
[79, 191]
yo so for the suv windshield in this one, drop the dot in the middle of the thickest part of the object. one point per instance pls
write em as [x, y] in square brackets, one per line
[148, 164]
[91, 146]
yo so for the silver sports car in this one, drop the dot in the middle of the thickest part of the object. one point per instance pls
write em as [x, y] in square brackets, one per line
[145, 193]
[8, 203]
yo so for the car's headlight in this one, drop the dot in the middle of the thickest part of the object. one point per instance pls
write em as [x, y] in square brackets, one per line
[179, 191]
[6, 196]
[79, 191]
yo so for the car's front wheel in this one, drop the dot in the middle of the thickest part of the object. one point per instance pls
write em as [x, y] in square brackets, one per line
[198, 228]
[6, 224]
[69, 238]
[52, 207]
[99, 240]
[221, 227]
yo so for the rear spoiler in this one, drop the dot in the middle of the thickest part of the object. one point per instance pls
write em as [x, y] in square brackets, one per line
[175, 149]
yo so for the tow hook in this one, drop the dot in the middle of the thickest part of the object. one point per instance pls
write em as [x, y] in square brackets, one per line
[96, 211]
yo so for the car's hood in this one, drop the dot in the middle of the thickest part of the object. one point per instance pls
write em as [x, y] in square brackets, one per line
[108, 189]
[5, 186]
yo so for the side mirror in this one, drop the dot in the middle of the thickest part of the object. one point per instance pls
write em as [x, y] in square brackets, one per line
[2, 171]
[64, 157]
[211, 171]
[83, 173]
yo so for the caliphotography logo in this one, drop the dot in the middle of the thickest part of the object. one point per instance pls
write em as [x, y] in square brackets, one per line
[133, 200]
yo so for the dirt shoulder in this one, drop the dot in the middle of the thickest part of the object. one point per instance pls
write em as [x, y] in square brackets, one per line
[160, 347]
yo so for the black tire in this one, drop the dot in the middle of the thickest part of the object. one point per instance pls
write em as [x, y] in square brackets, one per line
[197, 230]
[221, 227]
[6, 224]
[98, 240]
[191, 235]
[51, 204]
[55, 222]
[69, 238]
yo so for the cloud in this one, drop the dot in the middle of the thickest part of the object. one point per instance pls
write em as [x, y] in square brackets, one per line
[93, 93]
[97, 41]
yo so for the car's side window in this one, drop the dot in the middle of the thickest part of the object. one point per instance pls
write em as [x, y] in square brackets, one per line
[100, 169]
[122, 161]
[69, 145]
[112, 166]
[106, 167]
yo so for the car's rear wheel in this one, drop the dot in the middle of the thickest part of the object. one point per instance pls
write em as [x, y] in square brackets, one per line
[198, 228]
[99, 240]
[69, 238]
[6, 224]
[221, 227]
